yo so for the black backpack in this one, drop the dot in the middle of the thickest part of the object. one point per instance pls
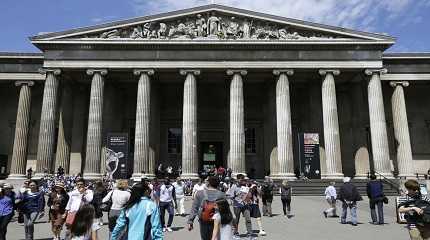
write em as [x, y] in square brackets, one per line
[420, 219]
[268, 190]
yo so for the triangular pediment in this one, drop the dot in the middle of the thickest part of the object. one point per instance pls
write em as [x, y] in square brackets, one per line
[212, 23]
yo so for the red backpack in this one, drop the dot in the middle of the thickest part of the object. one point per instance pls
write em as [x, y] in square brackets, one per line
[208, 209]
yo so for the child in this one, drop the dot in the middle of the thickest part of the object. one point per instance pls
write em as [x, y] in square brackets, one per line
[83, 227]
[223, 219]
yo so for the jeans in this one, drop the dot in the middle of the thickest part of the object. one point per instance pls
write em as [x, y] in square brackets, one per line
[353, 208]
[246, 214]
[112, 217]
[4, 221]
[29, 219]
[169, 207]
[332, 208]
[206, 230]
[286, 205]
[180, 209]
[380, 205]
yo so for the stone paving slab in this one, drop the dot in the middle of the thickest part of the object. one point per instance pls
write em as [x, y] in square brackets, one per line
[308, 223]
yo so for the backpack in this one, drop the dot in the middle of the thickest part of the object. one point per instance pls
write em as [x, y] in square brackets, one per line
[208, 209]
[423, 219]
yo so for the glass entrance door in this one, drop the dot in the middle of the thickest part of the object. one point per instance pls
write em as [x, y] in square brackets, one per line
[210, 155]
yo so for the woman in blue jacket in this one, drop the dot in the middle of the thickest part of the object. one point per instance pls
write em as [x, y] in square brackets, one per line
[139, 211]
[33, 206]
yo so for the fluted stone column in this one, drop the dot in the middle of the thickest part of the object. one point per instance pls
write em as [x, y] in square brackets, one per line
[285, 160]
[331, 125]
[45, 148]
[401, 130]
[378, 126]
[190, 163]
[95, 121]
[236, 160]
[142, 166]
[20, 144]
[62, 157]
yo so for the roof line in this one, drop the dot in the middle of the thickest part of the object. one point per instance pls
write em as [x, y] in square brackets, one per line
[209, 7]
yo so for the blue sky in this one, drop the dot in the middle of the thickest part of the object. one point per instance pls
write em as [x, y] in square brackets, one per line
[407, 20]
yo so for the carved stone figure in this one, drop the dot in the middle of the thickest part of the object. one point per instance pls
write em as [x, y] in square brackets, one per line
[201, 26]
[162, 31]
[146, 31]
[246, 29]
[137, 32]
[232, 30]
[111, 34]
[214, 25]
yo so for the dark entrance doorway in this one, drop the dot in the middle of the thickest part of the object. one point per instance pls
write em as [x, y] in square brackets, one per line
[210, 155]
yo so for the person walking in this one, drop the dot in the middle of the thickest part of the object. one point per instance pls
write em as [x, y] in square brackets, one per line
[167, 196]
[119, 197]
[33, 206]
[267, 196]
[77, 198]
[204, 206]
[330, 196]
[375, 193]
[223, 219]
[255, 207]
[286, 192]
[198, 187]
[7, 202]
[99, 193]
[241, 204]
[349, 196]
[140, 215]
[57, 203]
[180, 196]
[83, 226]
[413, 208]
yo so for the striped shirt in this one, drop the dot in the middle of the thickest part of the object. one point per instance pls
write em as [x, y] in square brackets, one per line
[406, 198]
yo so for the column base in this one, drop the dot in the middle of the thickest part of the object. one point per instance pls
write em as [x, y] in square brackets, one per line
[283, 176]
[38, 176]
[92, 176]
[16, 180]
[192, 176]
[407, 176]
[17, 177]
[361, 176]
[387, 175]
[333, 176]
[137, 177]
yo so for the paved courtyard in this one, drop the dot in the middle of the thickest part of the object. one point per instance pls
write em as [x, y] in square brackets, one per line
[308, 223]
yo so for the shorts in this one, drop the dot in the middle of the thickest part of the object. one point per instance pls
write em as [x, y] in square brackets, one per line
[255, 211]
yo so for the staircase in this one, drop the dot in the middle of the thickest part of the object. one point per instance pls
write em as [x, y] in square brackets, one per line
[316, 187]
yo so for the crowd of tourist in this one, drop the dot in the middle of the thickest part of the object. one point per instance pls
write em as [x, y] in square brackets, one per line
[138, 211]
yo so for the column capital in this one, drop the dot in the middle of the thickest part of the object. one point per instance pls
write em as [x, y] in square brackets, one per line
[93, 71]
[278, 72]
[138, 72]
[28, 83]
[184, 72]
[242, 72]
[324, 72]
[370, 72]
[55, 71]
[399, 83]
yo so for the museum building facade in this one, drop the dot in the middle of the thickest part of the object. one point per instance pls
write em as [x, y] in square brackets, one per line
[215, 86]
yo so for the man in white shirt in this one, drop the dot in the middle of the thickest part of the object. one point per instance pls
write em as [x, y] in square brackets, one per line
[198, 187]
[167, 195]
[330, 196]
[180, 196]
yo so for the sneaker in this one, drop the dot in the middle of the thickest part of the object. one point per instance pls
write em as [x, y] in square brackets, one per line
[169, 229]
[354, 224]
[164, 229]
[262, 233]
[325, 214]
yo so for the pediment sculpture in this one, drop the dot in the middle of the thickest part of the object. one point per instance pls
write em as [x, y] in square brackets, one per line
[211, 26]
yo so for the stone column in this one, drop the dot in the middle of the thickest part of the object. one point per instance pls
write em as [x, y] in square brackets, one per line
[378, 126]
[236, 160]
[190, 162]
[285, 159]
[142, 166]
[401, 130]
[19, 155]
[95, 121]
[331, 125]
[62, 157]
[46, 143]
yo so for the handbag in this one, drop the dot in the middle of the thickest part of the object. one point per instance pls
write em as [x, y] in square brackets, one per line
[70, 218]
[385, 199]
[106, 206]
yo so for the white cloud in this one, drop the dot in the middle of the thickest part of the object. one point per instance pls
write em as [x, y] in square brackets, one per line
[358, 14]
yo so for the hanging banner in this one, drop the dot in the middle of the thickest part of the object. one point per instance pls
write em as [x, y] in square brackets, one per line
[309, 154]
[117, 155]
